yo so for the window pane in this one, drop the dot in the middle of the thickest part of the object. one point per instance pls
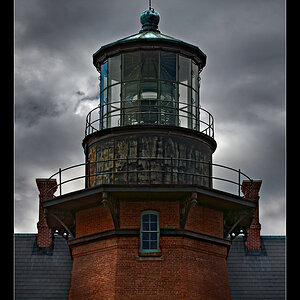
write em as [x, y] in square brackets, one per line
[183, 107]
[130, 91]
[149, 233]
[115, 93]
[168, 66]
[145, 218]
[103, 76]
[131, 66]
[146, 236]
[194, 76]
[184, 70]
[153, 236]
[146, 245]
[153, 226]
[115, 69]
[168, 104]
[148, 90]
[153, 218]
[167, 91]
[146, 226]
[130, 103]
[149, 64]
[153, 245]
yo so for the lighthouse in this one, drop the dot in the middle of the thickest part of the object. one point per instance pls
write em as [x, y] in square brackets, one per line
[148, 223]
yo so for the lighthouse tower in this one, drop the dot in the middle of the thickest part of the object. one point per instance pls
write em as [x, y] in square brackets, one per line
[148, 222]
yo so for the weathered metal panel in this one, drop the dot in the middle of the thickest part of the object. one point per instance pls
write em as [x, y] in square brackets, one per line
[148, 159]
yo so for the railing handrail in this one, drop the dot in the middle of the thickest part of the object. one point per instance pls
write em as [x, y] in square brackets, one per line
[150, 171]
[188, 112]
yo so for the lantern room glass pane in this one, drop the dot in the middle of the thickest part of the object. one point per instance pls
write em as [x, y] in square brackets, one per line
[195, 74]
[130, 91]
[130, 103]
[148, 90]
[168, 66]
[131, 66]
[114, 72]
[115, 92]
[103, 76]
[149, 64]
[168, 103]
[184, 70]
[183, 106]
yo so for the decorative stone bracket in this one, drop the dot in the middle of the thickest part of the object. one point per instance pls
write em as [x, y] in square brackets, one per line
[114, 206]
[185, 206]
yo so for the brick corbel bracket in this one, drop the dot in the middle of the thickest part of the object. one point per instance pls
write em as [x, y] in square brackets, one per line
[185, 206]
[114, 207]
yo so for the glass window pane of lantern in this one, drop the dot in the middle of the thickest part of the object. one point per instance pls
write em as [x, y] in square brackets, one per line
[130, 103]
[183, 106]
[115, 92]
[194, 76]
[168, 66]
[148, 90]
[115, 105]
[167, 102]
[149, 64]
[184, 70]
[115, 69]
[103, 76]
[131, 66]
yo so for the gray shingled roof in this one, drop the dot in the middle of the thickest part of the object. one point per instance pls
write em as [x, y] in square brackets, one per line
[257, 274]
[41, 274]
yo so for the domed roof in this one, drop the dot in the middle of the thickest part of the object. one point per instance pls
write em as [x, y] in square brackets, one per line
[149, 20]
[149, 37]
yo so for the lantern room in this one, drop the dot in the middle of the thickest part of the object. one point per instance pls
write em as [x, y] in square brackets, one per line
[149, 78]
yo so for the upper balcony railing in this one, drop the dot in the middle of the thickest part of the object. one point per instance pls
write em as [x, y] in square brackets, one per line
[149, 171]
[149, 112]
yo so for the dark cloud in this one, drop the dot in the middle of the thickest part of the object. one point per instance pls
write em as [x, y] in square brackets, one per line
[243, 86]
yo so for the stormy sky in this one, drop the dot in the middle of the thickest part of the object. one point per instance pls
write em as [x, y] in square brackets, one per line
[242, 86]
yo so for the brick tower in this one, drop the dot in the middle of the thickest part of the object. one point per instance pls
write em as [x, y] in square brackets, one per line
[149, 222]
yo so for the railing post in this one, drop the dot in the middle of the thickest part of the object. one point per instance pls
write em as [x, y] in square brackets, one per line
[59, 170]
[127, 169]
[209, 175]
[171, 169]
[89, 173]
[209, 125]
[239, 186]
[137, 167]
[149, 161]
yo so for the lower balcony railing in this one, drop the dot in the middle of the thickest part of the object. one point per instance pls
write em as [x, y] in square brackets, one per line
[149, 171]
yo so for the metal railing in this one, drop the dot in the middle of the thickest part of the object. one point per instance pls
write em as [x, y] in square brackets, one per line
[151, 171]
[144, 111]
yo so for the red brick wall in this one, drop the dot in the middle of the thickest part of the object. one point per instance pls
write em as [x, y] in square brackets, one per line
[111, 269]
[93, 220]
[94, 270]
[205, 220]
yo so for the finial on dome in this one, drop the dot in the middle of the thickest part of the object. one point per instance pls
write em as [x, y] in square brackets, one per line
[149, 20]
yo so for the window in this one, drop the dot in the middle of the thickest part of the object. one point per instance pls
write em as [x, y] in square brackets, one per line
[149, 232]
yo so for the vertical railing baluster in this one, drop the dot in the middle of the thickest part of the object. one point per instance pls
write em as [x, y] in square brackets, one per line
[59, 181]
[127, 169]
[171, 169]
[239, 186]
[209, 175]
[149, 166]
